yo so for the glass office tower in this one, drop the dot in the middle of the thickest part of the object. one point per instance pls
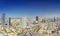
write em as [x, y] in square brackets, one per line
[36, 19]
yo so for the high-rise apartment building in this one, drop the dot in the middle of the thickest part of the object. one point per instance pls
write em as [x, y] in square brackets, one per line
[24, 22]
[3, 20]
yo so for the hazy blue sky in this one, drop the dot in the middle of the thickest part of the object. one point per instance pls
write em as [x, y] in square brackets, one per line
[29, 8]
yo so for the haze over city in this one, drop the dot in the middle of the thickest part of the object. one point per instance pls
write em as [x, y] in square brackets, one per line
[30, 8]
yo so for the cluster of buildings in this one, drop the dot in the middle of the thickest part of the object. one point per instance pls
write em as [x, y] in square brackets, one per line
[24, 21]
[27, 26]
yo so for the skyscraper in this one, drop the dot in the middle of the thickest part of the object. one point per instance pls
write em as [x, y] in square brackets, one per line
[3, 20]
[36, 19]
[54, 19]
[4, 24]
[9, 21]
[23, 22]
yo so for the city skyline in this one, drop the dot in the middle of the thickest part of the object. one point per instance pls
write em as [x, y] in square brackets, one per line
[30, 8]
